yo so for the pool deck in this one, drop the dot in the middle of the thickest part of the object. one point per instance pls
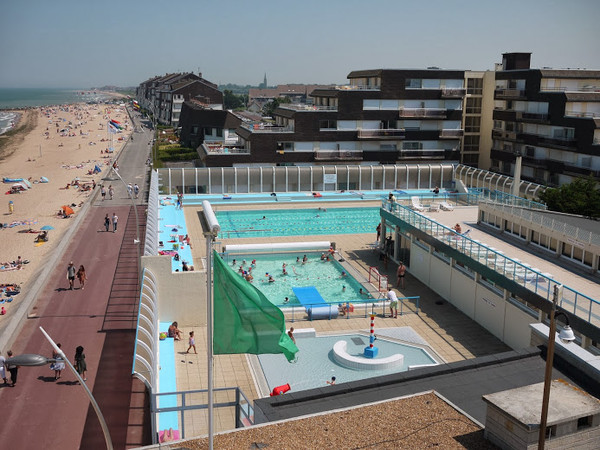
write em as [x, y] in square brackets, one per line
[451, 334]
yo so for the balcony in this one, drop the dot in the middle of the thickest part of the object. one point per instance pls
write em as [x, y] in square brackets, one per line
[501, 134]
[509, 93]
[453, 92]
[435, 113]
[338, 155]
[382, 134]
[451, 133]
[300, 107]
[438, 153]
[582, 114]
[261, 127]
[220, 148]
[533, 117]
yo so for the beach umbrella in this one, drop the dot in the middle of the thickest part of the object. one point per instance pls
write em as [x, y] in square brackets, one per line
[67, 210]
[47, 227]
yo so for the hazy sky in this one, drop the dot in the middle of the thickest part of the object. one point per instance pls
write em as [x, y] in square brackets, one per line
[85, 43]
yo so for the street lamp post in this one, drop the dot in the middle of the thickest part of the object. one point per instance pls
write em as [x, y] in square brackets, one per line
[39, 360]
[566, 335]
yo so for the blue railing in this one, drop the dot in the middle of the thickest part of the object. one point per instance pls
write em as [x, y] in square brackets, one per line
[542, 284]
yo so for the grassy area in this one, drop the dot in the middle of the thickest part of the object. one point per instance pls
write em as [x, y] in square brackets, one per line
[167, 149]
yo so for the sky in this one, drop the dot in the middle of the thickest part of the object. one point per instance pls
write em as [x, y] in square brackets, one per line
[90, 43]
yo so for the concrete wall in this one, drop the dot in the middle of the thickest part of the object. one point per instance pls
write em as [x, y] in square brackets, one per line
[484, 304]
[182, 295]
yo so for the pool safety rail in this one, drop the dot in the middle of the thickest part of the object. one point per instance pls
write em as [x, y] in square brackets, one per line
[343, 310]
[146, 338]
[531, 278]
[190, 403]
[378, 280]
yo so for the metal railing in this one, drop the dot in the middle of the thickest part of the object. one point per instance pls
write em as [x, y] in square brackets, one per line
[151, 238]
[542, 284]
[581, 114]
[145, 360]
[261, 127]
[389, 133]
[301, 107]
[422, 112]
[188, 401]
[544, 221]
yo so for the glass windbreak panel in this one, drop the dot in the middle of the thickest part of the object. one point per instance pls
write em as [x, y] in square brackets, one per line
[431, 83]
[389, 104]
[370, 104]
[454, 83]
[413, 83]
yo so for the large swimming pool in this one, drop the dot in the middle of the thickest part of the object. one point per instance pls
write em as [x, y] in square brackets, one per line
[324, 275]
[297, 222]
[315, 364]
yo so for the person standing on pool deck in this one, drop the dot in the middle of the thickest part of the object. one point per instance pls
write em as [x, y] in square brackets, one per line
[401, 272]
[291, 334]
[393, 298]
[71, 275]
[115, 220]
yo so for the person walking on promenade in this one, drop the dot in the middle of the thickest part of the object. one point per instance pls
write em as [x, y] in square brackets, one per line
[103, 192]
[115, 220]
[13, 369]
[129, 189]
[111, 192]
[59, 365]
[3, 369]
[107, 222]
[401, 272]
[81, 276]
[80, 364]
[136, 190]
[71, 275]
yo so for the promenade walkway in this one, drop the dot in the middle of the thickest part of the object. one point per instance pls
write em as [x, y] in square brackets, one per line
[41, 412]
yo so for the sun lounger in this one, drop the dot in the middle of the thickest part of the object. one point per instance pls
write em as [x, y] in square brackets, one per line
[416, 204]
[445, 206]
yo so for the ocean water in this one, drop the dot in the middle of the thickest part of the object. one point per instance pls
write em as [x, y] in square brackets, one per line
[6, 120]
[11, 98]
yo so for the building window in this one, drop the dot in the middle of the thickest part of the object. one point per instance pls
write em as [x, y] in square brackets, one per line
[413, 83]
[475, 86]
[219, 132]
[285, 146]
[473, 105]
[471, 143]
[584, 422]
[327, 125]
[471, 159]
[472, 124]
[195, 130]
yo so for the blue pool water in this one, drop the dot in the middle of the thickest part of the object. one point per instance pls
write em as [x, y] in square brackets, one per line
[325, 276]
[297, 222]
[172, 230]
[315, 363]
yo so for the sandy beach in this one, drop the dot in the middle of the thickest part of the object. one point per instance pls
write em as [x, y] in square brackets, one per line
[62, 144]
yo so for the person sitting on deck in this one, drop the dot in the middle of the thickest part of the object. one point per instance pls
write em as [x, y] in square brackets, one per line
[174, 332]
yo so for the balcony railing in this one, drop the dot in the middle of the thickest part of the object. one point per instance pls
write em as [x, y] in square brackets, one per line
[519, 115]
[512, 93]
[261, 127]
[570, 89]
[582, 114]
[437, 113]
[435, 153]
[399, 133]
[338, 155]
[220, 148]
[453, 92]
[451, 133]
[358, 87]
[300, 107]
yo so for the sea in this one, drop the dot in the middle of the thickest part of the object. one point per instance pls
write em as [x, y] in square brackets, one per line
[16, 98]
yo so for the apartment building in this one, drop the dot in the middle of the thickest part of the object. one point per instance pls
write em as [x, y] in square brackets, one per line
[164, 96]
[381, 116]
[551, 117]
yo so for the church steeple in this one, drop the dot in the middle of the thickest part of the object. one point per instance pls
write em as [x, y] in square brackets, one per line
[264, 83]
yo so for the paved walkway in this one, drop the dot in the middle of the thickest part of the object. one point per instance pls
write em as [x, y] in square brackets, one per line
[41, 412]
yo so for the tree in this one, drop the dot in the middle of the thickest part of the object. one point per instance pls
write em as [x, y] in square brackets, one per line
[270, 107]
[581, 197]
[232, 101]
